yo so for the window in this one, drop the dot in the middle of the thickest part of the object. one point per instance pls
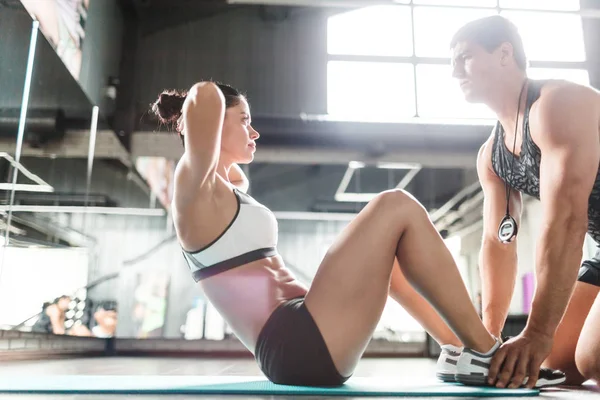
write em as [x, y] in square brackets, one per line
[557, 5]
[439, 95]
[549, 36]
[372, 31]
[463, 3]
[370, 91]
[435, 26]
[580, 76]
[378, 71]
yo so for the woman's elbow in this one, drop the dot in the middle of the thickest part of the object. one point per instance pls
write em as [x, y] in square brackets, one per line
[206, 91]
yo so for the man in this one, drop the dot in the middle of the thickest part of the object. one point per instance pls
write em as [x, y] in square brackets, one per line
[546, 144]
[106, 320]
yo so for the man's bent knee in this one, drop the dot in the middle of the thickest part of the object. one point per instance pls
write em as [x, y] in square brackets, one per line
[571, 371]
[588, 364]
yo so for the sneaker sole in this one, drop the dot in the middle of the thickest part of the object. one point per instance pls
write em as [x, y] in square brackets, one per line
[545, 383]
[480, 380]
[445, 377]
[472, 380]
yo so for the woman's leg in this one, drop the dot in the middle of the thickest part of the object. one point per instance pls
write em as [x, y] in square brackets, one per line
[351, 287]
[565, 342]
[420, 309]
[569, 330]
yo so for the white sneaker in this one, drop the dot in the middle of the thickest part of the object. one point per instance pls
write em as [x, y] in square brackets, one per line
[473, 368]
[446, 364]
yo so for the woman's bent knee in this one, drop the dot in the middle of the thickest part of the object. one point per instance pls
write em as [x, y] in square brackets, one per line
[399, 201]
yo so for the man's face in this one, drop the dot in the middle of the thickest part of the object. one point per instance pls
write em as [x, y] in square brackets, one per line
[476, 70]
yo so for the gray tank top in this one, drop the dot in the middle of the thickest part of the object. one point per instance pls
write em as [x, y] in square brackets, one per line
[526, 175]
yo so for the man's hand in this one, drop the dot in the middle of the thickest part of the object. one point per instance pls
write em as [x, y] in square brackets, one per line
[519, 358]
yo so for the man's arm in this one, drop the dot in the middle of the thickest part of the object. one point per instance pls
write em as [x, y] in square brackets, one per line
[568, 124]
[566, 131]
[497, 261]
[56, 320]
[238, 178]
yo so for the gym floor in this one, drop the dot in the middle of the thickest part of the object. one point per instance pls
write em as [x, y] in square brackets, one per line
[404, 368]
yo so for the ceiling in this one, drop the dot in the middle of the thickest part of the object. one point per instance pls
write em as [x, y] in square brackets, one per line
[155, 15]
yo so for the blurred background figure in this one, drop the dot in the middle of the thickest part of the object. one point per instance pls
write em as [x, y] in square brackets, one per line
[52, 317]
[105, 319]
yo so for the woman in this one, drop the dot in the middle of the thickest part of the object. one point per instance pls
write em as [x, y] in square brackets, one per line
[52, 317]
[299, 335]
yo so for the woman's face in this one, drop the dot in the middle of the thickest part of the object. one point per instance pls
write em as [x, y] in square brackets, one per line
[238, 142]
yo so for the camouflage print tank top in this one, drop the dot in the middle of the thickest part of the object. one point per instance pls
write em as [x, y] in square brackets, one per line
[526, 175]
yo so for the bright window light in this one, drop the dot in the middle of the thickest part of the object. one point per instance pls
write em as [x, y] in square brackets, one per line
[434, 28]
[464, 3]
[549, 36]
[439, 95]
[556, 5]
[371, 31]
[580, 76]
[370, 91]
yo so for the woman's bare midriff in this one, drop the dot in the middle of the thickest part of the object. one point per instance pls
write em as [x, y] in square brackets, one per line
[246, 296]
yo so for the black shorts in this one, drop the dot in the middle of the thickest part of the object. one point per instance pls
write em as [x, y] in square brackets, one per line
[290, 349]
[590, 270]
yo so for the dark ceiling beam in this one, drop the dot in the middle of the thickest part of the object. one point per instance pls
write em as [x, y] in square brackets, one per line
[158, 144]
[371, 137]
[366, 136]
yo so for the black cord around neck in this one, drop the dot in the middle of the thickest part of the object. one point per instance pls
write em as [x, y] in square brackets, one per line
[512, 167]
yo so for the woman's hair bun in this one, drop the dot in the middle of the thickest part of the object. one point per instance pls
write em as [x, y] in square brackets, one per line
[168, 106]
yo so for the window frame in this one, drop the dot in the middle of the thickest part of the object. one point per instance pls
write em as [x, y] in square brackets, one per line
[419, 60]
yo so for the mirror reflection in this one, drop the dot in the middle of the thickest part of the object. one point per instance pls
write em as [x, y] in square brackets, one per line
[50, 189]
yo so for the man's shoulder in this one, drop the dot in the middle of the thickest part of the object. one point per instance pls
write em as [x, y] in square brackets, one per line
[559, 102]
[558, 91]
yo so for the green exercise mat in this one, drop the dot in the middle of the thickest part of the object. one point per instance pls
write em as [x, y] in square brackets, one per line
[237, 385]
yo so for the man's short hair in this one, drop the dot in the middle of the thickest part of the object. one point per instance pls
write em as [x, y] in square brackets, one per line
[490, 33]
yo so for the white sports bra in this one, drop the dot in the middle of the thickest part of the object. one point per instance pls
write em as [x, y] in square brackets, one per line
[250, 236]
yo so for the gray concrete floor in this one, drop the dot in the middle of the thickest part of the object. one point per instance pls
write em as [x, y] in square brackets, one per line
[406, 368]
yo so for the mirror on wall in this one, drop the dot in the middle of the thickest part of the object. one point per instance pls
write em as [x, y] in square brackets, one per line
[49, 278]
[91, 249]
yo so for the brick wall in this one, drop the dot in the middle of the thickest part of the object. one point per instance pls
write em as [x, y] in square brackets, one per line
[19, 345]
[133, 347]
[28, 345]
